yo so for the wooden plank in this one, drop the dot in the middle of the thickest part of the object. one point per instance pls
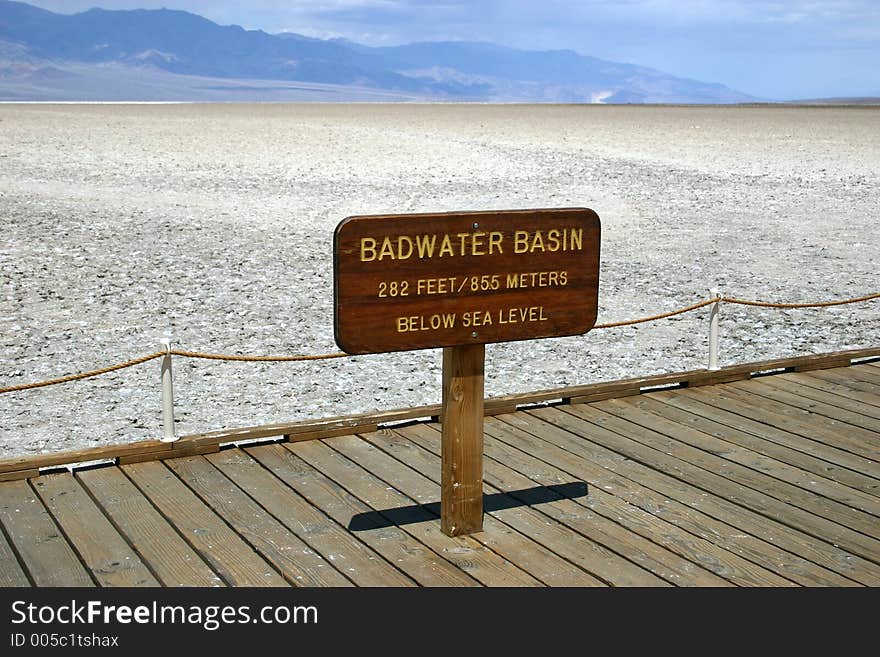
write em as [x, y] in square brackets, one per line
[809, 379]
[16, 475]
[620, 485]
[465, 552]
[818, 471]
[354, 559]
[840, 377]
[329, 433]
[805, 398]
[326, 427]
[518, 535]
[718, 411]
[226, 553]
[399, 545]
[588, 441]
[743, 466]
[854, 440]
[76, 456]
[44, 552]
[295, 560]
[179, 451]
[461, 487]
[611, 550]
[865, 373]
[11, 572]
[167, 554]
[757, 500]
[107, 554]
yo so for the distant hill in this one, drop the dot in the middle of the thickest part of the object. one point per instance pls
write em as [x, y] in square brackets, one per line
[175, 55]
[855, 100]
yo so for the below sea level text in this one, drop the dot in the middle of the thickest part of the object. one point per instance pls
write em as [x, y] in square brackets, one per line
[471, 319]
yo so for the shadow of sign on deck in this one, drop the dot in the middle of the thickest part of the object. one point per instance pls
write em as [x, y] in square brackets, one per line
[406, 515]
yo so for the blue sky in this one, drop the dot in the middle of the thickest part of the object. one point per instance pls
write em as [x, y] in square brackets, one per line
[777, 49]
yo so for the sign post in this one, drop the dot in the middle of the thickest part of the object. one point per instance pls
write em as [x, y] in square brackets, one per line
[461, 280]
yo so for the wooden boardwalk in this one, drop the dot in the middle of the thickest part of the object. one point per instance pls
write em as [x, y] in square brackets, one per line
[763, 481]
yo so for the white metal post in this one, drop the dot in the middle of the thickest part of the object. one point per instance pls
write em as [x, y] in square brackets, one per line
[713, 330]
[167, 393]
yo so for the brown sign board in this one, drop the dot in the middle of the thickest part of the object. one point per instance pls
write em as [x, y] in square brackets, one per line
[421, 281]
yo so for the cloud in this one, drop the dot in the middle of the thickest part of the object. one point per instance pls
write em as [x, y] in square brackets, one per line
[770, 48]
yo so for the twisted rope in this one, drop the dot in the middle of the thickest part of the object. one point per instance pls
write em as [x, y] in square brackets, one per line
[270, 359]
[310, 357]
[84, 375]
[817, 304]
[671, 313]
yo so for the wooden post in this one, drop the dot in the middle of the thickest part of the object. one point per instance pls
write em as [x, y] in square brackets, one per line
[461, 493]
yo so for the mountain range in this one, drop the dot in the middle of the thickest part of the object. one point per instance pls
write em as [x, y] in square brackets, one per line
[169, 55]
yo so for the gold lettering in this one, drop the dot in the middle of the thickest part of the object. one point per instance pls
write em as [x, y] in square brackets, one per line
[522, 315]
[476, 318]
[495, 238]
[553, 239]
[576, 239]
[512, 281]
[425, 245]
[368, 249]
[425, 323]
[563, 278]
[446, 247]
[387, 250]
[520, 241]
[477, 241]
[537, 242]
[404, 239]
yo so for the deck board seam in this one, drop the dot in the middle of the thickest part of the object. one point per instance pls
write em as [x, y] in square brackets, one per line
[768, 394]
[676, 502]
[63, 533]
[286, 576]
[813, 470]
[329, 519]
[608, 518]
[18, 556]
[548, 518]
[118, 529]
[416, 502]
[223, 520]
[753, 472]
[782, 518]
[715, 495]
[290, 446]
[715, 404]
[217, 572]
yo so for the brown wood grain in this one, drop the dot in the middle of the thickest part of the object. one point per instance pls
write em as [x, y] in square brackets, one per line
[42, 547]
[461, 499]
[505, 275]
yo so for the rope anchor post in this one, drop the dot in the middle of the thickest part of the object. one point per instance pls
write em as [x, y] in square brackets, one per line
[713, 329]
[169, 435]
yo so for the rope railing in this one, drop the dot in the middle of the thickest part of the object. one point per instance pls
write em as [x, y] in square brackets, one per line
[671, 313]
[717, 299]
[258, 359]
[816, 304]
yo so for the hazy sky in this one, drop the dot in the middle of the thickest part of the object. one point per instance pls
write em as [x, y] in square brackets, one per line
[777, 49]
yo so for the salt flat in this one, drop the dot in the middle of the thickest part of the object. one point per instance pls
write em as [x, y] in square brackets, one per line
[215, 223]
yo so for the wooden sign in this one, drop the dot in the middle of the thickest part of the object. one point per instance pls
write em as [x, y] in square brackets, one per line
[464, 278]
